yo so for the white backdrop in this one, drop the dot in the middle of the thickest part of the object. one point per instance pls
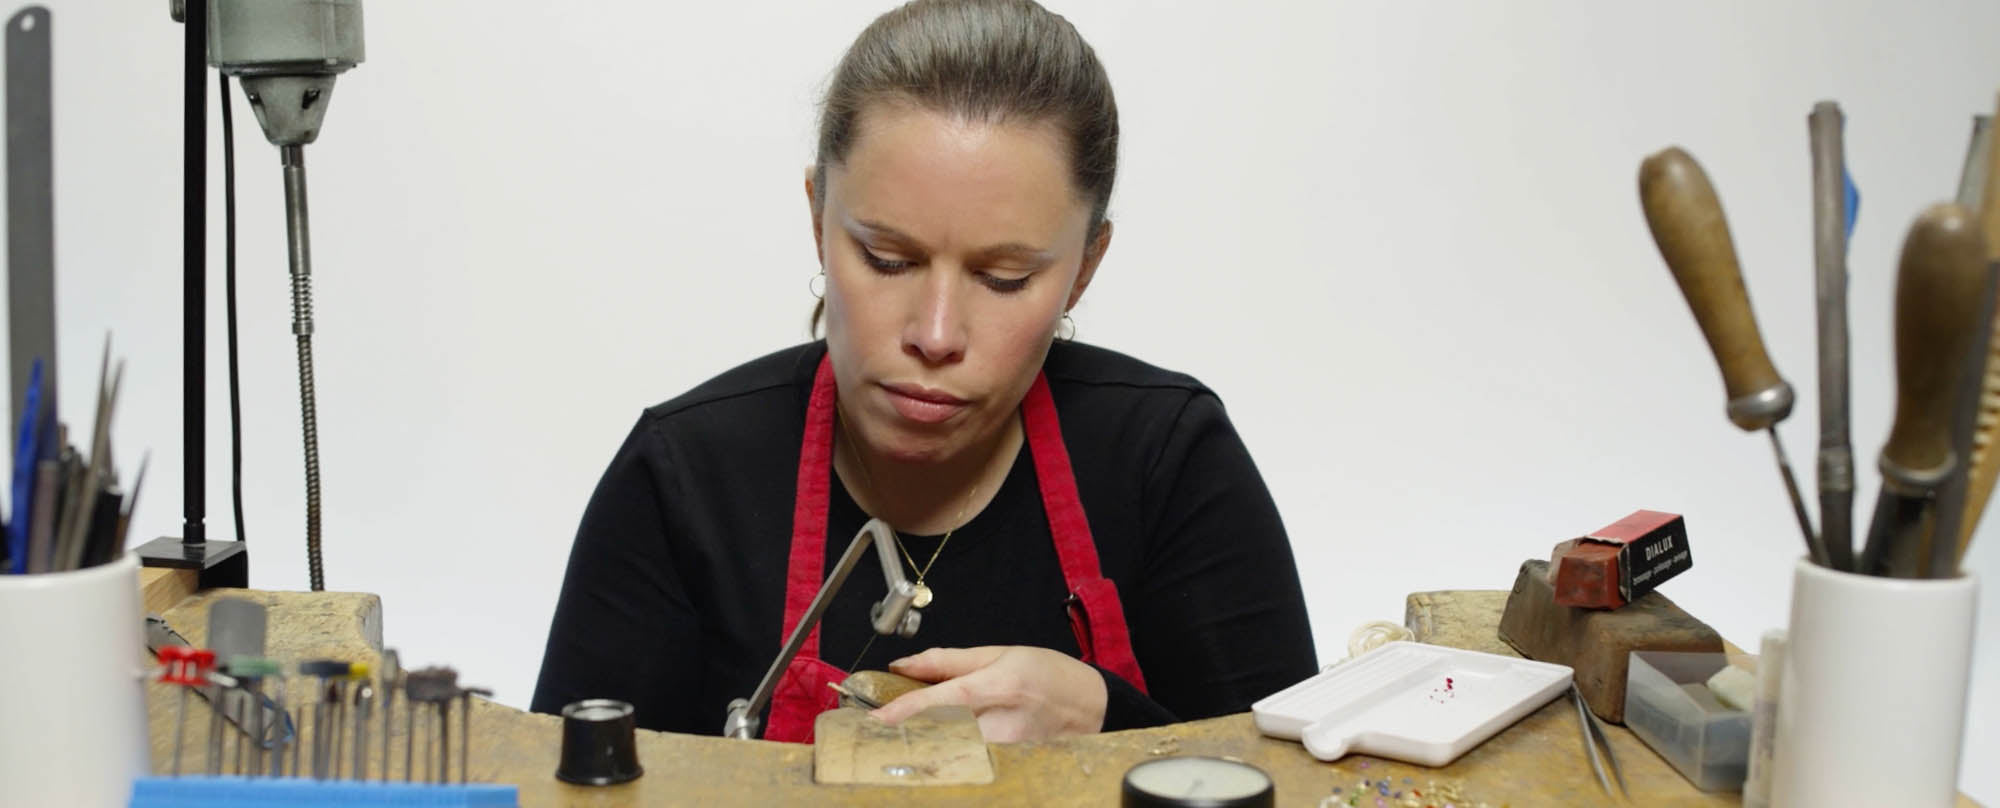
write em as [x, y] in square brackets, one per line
[1402, 240]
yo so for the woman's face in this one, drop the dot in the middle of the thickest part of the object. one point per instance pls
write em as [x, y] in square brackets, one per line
[951, 249]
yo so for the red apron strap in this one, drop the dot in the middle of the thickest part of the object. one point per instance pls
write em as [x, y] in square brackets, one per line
[802, 694]
[808, 562]
[1096, 614]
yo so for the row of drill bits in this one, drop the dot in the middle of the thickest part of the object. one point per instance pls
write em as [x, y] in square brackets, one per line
[339, 743]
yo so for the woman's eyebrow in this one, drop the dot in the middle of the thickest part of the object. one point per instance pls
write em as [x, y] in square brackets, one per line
[882, 231]
[1011, 250]
[1016, 251]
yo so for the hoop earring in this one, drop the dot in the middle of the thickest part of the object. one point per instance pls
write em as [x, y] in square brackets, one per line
[1066, 321]
[819, 290]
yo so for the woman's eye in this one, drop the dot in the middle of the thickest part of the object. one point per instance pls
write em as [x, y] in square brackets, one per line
[880, 263]
[999, 284]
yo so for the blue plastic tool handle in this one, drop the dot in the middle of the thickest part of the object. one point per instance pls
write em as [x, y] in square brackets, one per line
[247, 792]
[27, 450]
[1850, 200]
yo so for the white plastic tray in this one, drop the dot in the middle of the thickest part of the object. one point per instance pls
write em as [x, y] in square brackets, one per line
[1423, 704]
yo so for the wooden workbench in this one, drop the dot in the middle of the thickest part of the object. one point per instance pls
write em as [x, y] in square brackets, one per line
[1537, 762]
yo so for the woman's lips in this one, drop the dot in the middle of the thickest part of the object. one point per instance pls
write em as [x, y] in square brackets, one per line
[924, 405]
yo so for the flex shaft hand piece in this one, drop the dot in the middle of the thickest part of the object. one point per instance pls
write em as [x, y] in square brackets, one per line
[1693, 236]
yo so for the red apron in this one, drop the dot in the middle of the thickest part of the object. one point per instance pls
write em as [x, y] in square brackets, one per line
[1094, 610]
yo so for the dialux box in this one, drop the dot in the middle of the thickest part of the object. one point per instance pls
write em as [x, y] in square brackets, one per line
[1639, 551]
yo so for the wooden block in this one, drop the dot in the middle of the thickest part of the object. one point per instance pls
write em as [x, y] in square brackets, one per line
[303, 625]
[1596, 643]
[941, 746]
[162, 588]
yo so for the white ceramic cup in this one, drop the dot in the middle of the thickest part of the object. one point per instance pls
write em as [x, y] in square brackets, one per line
[72, 703]
[1872, 708]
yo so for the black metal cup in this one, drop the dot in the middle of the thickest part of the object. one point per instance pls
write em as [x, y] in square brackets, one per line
[597, 746]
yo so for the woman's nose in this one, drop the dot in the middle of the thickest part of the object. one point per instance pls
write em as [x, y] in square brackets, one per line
[936, 332]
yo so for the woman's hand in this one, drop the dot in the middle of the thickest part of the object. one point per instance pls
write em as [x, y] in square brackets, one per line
[1019, 693]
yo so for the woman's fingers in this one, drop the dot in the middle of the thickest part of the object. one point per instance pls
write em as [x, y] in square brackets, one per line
[1018, 693]
[953, 669]
[939, 664]
[917, 701]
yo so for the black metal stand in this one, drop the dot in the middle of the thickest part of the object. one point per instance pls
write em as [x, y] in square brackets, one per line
[222, 563]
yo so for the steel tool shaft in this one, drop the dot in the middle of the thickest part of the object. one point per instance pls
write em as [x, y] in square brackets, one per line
[392, 674]
[1688, 224]
[236, 760]
[465, 731]
[364, 705]
[284, 740]
[435, 688]
[298, 739]
[443, 709]
[336, 734]
[409, 739]
[1830, 215]
[215, 732]
[255, 740]
[180, 727]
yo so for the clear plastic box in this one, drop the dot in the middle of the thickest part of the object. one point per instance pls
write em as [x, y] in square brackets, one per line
[1711, 748]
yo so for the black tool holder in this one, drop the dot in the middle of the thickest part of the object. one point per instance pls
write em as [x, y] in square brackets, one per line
[220, 563]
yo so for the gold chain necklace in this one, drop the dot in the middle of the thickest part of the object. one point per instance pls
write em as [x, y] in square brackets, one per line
[924, 596]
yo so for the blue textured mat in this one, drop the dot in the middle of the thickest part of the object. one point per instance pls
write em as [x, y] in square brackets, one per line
[242, 792]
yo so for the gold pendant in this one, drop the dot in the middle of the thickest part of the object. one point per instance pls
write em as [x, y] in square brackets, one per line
[923, 597]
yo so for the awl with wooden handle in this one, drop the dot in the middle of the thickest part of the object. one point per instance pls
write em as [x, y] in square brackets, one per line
[1941, 290]
[1693, 236]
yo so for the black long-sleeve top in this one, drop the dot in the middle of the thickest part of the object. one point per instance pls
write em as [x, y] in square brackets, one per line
[676, 583]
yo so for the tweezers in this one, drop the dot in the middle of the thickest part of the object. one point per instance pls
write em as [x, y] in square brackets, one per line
[1593, 735]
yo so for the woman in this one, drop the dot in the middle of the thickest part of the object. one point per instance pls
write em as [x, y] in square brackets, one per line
[1097, 548]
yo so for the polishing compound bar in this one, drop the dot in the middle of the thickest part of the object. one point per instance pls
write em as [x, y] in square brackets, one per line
[1620, 562]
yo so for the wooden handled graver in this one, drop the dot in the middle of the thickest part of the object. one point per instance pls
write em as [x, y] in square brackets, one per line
[1940, 302]
[1938, 294]
[1693, 236]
